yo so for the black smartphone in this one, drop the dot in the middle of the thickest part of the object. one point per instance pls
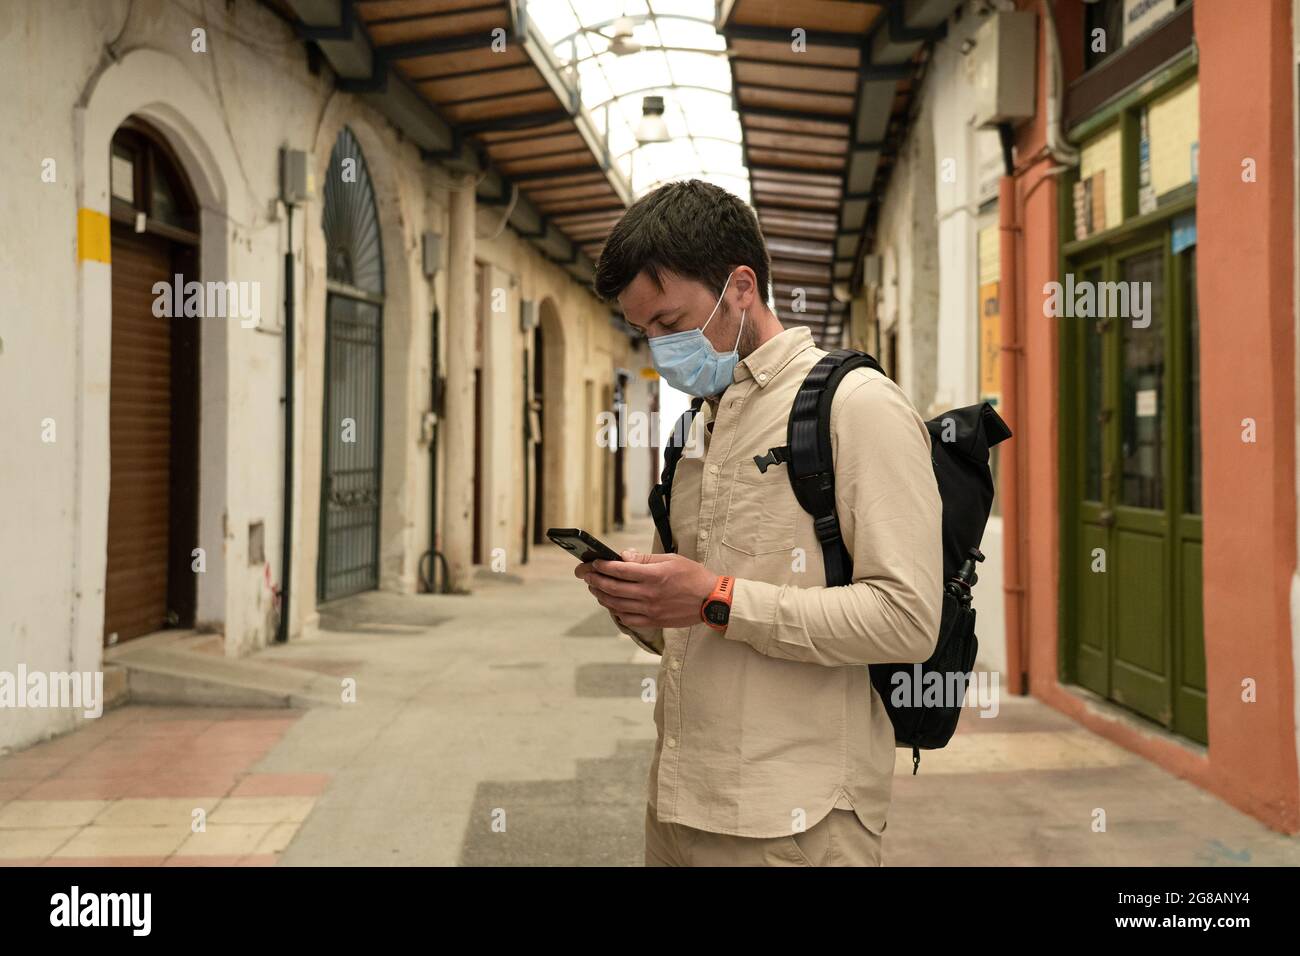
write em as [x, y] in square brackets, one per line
[583, 546]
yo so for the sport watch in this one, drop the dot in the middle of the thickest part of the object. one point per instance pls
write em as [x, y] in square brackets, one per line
[716, 608]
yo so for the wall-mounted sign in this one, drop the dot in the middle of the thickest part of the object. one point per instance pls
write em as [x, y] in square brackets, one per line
[989, 312]
[1183, 232]
[1141, 16]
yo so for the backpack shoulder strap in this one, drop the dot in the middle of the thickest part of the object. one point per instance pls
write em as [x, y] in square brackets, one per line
[811, 460]
[661, 493]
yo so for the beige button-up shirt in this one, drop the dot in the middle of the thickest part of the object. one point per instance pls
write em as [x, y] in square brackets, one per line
[767, 726]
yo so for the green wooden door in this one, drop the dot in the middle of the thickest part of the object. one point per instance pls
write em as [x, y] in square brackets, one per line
[1131, 480]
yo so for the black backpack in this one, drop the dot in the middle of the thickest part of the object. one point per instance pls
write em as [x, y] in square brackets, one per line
[960, 441]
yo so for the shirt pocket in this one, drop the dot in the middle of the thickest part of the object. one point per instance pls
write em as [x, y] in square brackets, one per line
[760, 516]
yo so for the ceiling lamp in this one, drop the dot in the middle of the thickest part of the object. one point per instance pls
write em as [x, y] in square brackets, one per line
[652, 128]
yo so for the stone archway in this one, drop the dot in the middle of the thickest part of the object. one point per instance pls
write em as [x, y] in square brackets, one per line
[403, 302]
[158, 89]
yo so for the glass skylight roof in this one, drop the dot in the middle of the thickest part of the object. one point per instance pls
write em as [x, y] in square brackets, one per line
[703, 128]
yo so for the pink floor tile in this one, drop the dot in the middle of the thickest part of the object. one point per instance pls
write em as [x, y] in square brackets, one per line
[282, 785]
[166, 728]
[31, 765]
[203, 766]
[13, 789]
[83, 788]
[111, 767]
[74, 744]
[168, 784]
[267, 725]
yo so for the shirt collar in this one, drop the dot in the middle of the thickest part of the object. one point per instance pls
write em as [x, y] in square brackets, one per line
[765, 362]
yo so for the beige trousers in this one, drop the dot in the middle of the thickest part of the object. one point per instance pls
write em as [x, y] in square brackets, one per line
[838, 839]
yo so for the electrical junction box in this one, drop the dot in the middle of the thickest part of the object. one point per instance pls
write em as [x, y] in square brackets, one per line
[297, 183]
[1001, 68]
[527, 315]
[871, 269]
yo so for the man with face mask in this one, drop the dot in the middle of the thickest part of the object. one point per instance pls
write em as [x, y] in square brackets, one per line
[773, 746]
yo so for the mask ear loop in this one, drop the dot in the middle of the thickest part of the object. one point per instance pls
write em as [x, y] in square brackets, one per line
[736, 348]
[717, 304]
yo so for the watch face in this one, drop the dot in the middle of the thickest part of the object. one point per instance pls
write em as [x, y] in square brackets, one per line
[717, 612]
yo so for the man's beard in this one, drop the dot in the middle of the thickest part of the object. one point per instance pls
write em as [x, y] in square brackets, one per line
[748, 338]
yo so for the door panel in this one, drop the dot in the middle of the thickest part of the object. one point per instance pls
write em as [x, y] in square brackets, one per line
[1139, 677]
[1094, 612]
[351, 481]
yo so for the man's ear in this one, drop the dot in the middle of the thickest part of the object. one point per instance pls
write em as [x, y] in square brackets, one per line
[746, 285]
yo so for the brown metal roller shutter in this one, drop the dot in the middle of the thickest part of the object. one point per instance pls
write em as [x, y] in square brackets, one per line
[140, 440]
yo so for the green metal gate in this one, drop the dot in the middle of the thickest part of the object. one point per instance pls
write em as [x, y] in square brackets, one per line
[351, 476]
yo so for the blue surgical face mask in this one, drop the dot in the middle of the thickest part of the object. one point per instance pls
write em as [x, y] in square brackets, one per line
[689, 362]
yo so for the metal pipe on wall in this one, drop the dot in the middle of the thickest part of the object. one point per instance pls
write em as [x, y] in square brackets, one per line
[286, 519]
[1009, 409]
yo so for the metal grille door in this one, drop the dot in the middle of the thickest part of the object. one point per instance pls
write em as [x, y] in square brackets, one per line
[350, 505]
[351, 479]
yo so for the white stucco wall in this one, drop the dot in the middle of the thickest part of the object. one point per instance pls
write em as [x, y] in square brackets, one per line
[927, 236]
[226, 112]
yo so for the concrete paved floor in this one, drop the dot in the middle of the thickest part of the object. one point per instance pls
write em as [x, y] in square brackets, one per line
[508, 727]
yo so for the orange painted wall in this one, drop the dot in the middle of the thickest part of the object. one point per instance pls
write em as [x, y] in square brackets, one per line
[1245, 295]
[1246, 268]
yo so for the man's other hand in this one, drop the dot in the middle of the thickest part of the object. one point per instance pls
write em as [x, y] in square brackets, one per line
[650, 590]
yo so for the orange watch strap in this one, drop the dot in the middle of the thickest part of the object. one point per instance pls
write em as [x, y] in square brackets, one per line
[721, 592]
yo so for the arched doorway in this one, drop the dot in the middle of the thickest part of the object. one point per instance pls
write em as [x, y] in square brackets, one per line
[351, 478]
[150, 575]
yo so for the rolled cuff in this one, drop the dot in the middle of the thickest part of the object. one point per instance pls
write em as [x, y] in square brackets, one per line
[753, 613]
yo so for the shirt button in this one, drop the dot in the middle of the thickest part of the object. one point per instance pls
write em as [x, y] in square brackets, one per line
[704, 533]
[671, 742]
[762, 376]
[674, 664]
[714, 469]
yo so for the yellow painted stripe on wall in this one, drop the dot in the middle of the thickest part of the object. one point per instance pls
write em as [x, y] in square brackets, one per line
[93, 241]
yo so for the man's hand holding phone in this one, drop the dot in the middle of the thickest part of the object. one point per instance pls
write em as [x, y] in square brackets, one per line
[650, 590]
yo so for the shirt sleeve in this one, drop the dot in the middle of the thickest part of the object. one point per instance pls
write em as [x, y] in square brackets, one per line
[647, 638]
[890, 517]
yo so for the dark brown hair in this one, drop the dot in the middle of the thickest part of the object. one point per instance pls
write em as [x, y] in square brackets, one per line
[692, 229]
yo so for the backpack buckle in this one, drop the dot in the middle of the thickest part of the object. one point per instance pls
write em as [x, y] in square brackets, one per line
[827, 528]
[774, 456]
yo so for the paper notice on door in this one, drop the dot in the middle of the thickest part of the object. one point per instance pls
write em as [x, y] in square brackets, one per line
[1146, 403]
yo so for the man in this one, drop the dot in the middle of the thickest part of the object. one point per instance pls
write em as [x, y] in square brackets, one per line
[773, 746]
